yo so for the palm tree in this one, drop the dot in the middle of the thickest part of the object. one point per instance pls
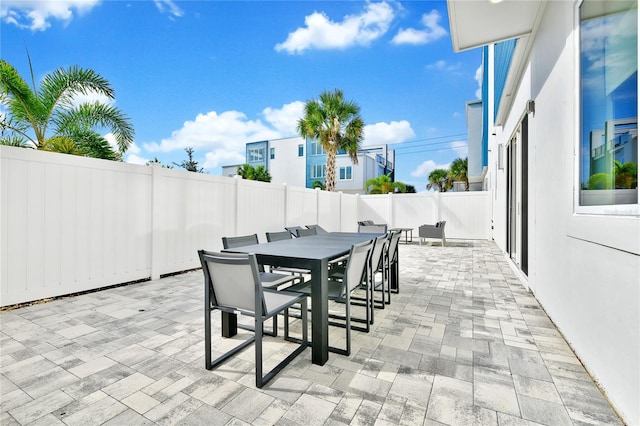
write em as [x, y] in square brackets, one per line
[337, 125]
[45, 118]
[459, 171]
[247, 171]
[383, 185]
[439, 179]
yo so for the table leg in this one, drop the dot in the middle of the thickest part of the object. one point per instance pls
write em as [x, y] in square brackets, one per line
[319, 313]
[229, 324]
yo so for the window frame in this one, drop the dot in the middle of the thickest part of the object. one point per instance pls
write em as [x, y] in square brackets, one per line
[314, 170]
[611, 210]
[346, 170]
[255, 153]
[300, 150]
[272, 153]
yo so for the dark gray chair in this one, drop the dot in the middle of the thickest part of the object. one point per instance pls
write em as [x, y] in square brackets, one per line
[268, 279]
[340, 290]
[433, 231]
[390, 264]
[279, 236]
[319, 229]
[293, 230]
[373, 229]
[302, 232]
[232, 285]
[365, 222]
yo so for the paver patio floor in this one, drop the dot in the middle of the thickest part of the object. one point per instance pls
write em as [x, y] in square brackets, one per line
[463, 343]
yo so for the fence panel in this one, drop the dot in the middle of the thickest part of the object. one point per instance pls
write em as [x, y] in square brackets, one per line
[328, 204]
[260, 208]
[302, 206]
[375, 208]
[468, 214]
[70, 224]
[413, 210]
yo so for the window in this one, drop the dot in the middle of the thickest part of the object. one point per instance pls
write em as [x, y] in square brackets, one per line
[316, 149]
[272, 153]
[300, 150]
[345, 173]
[318, 171]
[609, 107]
[256, 155]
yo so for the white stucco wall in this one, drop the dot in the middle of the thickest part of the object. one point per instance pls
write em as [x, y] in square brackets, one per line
[584, 269]
[287, 167]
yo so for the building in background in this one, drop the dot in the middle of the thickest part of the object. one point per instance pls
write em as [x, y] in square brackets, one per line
[299, 162]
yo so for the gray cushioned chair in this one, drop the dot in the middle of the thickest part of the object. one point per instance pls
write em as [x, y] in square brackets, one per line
[232, 285]
[433, 231]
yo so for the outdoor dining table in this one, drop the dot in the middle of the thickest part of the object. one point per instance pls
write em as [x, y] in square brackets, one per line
[313, 253]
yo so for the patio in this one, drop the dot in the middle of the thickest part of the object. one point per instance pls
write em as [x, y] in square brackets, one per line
[463, 343]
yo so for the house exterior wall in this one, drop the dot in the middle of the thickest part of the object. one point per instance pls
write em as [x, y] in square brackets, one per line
[287, 166]
[583, 268]
[475, 158]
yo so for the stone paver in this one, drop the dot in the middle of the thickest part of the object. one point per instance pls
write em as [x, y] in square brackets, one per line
[462, 343]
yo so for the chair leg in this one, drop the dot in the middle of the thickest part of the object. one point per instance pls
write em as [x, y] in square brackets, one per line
[207, 337]
[258, 349]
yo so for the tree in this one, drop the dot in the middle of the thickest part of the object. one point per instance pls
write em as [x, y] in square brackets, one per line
[411, 189]
[247, 171]
[384, 185]
[459, 171]
[317, 184]
[190, 164]
[46, 118]
[155, 161]
[337, 125]
[439, 179]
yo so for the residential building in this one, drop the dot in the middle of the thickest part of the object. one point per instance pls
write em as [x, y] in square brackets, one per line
[560, 103]
[299, 162]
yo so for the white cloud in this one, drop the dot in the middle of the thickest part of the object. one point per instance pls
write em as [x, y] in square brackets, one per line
[135, 159]
[388, 133]
[460, 147]
[223, 136]
[424, 169]
[90, 98]
[168, 6]
[37, 14]
[432, 31]
[478, 78]
[285, 119]
[442, 65]
[322, 33]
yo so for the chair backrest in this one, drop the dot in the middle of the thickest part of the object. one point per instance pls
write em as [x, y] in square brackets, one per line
[441, 224]
[232, 281]
[358, 259]
[373, 229]
[244, 240]
[293, 230]
[278, 236]
[365, 222]
[306, 232]
[319, 229]
[393, 245]
[376, 252]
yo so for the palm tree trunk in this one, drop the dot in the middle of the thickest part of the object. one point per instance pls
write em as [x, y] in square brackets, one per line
[330, 179]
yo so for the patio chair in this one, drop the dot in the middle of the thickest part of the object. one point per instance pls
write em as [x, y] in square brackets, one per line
[374, 265]
[302, 232]
[432, 231]
[390, 264]
[365, 222]
[340, 290]
[373, 229]
[268, 279]
[319, 229]
[293, 230]
[232, 284]
[279, 236]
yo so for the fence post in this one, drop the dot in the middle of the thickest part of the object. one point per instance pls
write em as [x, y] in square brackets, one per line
[155, 222]
[286, 198]
[318, 206]
[236, 203]
[390, 209]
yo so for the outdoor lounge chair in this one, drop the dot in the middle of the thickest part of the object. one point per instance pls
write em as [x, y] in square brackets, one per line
[232, 285]
[432, 231]
[373, 229]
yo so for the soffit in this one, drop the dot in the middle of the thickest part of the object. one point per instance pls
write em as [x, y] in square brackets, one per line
[475, 23]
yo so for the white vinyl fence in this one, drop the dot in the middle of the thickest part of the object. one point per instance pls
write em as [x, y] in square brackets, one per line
[70, 224]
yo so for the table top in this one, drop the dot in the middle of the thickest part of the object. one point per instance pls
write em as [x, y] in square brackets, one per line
[313, 247]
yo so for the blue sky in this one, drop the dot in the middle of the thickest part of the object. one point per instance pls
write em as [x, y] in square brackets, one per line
[214, 75]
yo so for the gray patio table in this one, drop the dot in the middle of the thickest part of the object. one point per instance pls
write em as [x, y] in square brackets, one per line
[314, 253]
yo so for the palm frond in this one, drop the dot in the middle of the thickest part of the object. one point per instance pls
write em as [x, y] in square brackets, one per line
[24, 105]
[90, 115]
